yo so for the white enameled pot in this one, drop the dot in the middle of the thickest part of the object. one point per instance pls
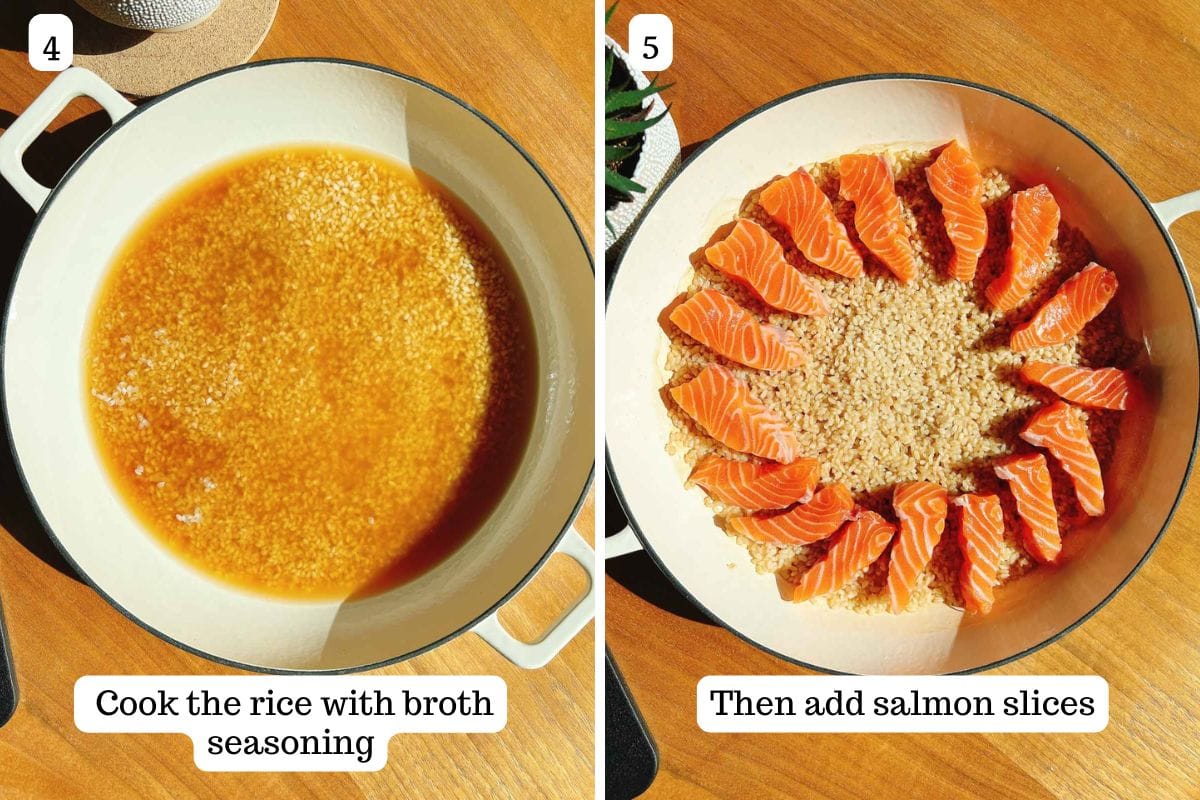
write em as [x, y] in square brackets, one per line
[1154, 454]
[152, 149]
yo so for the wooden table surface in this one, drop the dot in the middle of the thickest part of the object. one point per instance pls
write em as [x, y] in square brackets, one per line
[1127, 78]
[528, 66]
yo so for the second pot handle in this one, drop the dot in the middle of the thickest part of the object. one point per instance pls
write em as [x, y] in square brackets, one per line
[532, 655]
[70, 83]
[1170, 210]
[622, 543]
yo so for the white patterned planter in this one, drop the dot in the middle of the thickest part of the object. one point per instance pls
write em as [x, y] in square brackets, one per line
[152, 15]
[657, 158]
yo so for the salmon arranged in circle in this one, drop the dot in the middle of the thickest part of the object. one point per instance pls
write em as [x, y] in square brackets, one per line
[751, 257]
[956, 182]
[867, 182]
[921, 508]
[798, 204]
[1033, 224]
[1108, 387]
[723, 405]
[1062, 429]
[1077, 302]
[980, 535]
[1029, 481]
[717, 322]
[747, 484]
[861, 542]
[806, 523]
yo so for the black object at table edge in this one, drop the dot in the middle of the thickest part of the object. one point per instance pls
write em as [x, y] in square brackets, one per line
[630, 755]
[8, 676]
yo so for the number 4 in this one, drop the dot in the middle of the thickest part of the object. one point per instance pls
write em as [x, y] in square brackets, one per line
[51, 42]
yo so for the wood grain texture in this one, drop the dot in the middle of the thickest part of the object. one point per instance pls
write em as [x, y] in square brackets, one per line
[1120, 72]
[531, 72]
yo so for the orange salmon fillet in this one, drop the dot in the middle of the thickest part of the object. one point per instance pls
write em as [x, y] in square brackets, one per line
[1095, 388]
[1033, 224]
[717, 322]
[1062, 429]
[921, 508]
[867, 182]
[806, 523]
[956, 182]
[798, 204]
[723, 405]
[1077, 302]
[861, 542]
[980, 535]
[1029, 481]
[747, 484]
[752, 258]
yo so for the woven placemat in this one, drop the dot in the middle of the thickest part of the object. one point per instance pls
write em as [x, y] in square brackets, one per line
[142, 63]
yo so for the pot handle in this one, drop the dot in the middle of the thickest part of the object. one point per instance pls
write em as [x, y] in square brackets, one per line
[1170, 210]
[532, 655]
[70, 83]
[622, 543]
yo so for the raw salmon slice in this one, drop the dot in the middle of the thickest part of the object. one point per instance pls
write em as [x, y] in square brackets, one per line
[751, 257]
[980, 535]
[861, 542]
[746, 484]
[1062, 429]
[921, 508]
[799, 205]
[722, 404]
[804, 524]
[867, 182]
[956, 182]
[1077, 302]
[1032, 226]
[1029, 481]
[717, 322]
[1095, 388]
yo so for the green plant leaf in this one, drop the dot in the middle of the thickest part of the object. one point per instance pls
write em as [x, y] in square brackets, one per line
[617, 129]
[631, 99]
[615, 154]
[615, 180]
[608, 14]
[609, 56]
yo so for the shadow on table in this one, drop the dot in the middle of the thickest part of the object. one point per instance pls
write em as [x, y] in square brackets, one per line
[92, 35]
[47, 159]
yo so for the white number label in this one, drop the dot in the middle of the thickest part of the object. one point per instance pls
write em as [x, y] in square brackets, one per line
[651, 42]
[51, 42]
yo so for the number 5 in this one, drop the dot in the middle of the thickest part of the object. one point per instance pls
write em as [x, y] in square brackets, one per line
[651, 41]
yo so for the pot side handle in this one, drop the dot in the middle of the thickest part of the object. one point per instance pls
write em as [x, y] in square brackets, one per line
[1170, 210]
[622, 543]
[70, 83]
[533, 655]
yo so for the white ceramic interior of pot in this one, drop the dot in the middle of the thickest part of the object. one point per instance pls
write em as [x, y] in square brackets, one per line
[120, 181]
[1153, 451]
